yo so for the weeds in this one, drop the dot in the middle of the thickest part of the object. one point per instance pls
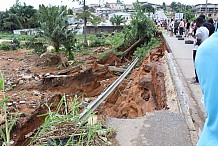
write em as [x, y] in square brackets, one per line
[141, 52]
[63, 127]
[9, 120]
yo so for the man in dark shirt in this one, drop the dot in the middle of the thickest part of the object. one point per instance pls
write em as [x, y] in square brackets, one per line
[208, 24]
[210, 27]
[176, 27]
[187, 28]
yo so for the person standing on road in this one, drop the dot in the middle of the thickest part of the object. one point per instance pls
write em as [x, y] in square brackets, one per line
[181, 27]
[207, 70]
[171, 27]
[202, 34]
[187, 28]
[211, 27]
[194, 28]
[176, 25]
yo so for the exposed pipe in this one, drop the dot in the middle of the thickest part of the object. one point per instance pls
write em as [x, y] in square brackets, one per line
[93, 105]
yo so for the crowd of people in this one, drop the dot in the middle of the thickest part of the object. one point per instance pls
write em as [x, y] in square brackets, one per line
[205, 58]
[184, 26]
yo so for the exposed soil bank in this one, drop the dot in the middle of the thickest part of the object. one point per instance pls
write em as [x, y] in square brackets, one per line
[144, 91]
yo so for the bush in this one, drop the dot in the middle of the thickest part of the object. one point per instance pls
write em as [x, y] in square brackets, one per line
[8, 46]
[4, 46]
[38, 47]
[97, 42]
[141, 52]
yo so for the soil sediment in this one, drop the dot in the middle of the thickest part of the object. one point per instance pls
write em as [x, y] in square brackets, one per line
[142, 91]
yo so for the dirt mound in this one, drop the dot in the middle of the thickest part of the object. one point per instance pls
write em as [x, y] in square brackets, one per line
[143, 92]
[111, 59]
[51, 59]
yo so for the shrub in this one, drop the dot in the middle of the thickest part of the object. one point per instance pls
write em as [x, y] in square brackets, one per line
[39, 47]
[141, 52]
[8, 46]
[97, 42]
[4, 46]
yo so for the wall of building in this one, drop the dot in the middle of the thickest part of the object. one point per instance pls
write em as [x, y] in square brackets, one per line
[103, 29]
[212, 10]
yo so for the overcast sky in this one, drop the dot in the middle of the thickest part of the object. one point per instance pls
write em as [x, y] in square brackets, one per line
[8, 3]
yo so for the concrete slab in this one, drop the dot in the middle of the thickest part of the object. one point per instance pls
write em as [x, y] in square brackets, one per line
[182, 55]
[160, 128]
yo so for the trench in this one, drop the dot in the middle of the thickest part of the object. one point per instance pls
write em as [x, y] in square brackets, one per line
[142, 91]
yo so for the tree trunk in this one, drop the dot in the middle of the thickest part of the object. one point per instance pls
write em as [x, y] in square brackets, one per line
[133, 46]
[84, 31]
[85, 22]
[56, 45]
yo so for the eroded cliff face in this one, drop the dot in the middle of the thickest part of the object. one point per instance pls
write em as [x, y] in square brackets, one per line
[143, 91]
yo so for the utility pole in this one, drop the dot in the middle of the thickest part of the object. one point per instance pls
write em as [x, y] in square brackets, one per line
[206, 10]
[85, 22]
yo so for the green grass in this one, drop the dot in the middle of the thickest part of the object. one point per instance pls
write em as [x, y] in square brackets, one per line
[8, 36]
[68, 124]
[9, 120]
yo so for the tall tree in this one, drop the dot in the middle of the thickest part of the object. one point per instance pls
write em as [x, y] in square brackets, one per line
[85, 10]
[148, 8]
[173, 6]
[53, 23]
[19, 16]
[11, 22]
[164, 6]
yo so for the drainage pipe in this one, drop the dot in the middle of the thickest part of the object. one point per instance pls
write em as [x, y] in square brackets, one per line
[94, 104]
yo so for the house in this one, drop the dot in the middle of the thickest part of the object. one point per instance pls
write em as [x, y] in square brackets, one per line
[26, 31]
[103, 11]
[115, 6]
[126, 16]
[212, 10]
[129, 8]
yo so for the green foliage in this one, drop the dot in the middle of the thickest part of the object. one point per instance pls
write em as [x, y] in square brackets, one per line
[79, 133]
[105, 53]
[117, 40]
[19, 37]
[97, 42]
[37, 44]
[8, 46]
[17, 17]
[182, 8]
[117, 20]
[141, 27]
[141, 52]
[1, 83]
[53, 22]
[69, 42]
[38, 47]
[148, 8]
[189, 15]
[9, 120]
[5, 46]
[164, 6]
[95, 20]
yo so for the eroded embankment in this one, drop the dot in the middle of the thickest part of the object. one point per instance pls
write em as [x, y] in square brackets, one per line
[144, 91]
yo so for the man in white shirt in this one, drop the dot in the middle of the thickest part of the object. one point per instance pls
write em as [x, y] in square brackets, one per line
[202, 34]
[171, 27]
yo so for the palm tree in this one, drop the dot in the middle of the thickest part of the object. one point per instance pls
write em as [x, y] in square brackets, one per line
[53, 21]
[117, 20]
